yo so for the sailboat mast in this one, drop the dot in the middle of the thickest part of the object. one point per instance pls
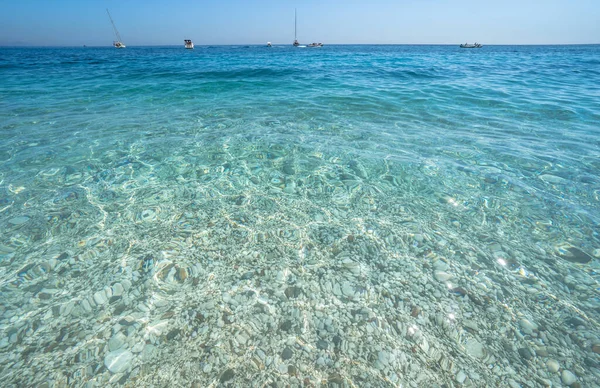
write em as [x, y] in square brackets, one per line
[295, 25]
[114, 27]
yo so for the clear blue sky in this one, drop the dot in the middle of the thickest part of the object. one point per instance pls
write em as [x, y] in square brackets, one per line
[161, 22]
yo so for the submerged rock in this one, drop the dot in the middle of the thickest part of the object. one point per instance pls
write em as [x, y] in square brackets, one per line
[287, 354]
[293, 292]
[442, 276]
[286, 325]
[475, 349]
[458, 291]
[574, 255]
[227, 375]
[118, 361]
[525, 353]
[18, 220]
[567, 377]
[321, 344]
[552, 365]
[527, 326]
[117, 341]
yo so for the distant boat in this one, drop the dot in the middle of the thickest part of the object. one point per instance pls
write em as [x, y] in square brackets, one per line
[269, 44]
[474, 45]
[117, 43]
[188, 44]
[296, 43]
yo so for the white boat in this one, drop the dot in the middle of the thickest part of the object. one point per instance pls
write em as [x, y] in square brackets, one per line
[189, 44]
[475, 45]
[269, 44]
[296, 43]
[117, 43]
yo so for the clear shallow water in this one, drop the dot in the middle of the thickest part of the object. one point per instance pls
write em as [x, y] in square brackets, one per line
[367, 215]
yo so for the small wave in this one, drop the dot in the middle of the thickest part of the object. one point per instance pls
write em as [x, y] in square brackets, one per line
[407, 74]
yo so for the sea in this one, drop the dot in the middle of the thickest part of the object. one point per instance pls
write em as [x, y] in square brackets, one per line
[342, 216]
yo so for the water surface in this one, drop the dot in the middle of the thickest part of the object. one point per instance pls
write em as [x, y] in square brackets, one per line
[350, 215]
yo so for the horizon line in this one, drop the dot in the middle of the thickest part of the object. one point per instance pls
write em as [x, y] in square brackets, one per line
[289, 44]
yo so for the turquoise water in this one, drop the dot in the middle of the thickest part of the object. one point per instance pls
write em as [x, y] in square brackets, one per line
[345, 215]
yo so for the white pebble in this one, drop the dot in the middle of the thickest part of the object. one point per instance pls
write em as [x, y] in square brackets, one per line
[117, 341]
[526, 326]
[568, 377]
[126, 284]
[552, 365]
[442, 276]
[86, 305]
[347, 289]
[118, 361]
[100, 297]
[117, 289]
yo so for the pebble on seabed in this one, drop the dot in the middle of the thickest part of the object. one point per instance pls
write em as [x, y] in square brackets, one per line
[527, 327]
[442, 276]
[118, 360]
[391, 317]
[18, 220]
[287, 354]
[552, 365]
[567, 377]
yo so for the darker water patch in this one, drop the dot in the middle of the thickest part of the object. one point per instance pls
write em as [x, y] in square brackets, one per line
[575, 255]
[267, 74]
[408, 75]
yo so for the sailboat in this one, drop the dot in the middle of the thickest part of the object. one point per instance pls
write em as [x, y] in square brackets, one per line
[117, 43]
[296, 43]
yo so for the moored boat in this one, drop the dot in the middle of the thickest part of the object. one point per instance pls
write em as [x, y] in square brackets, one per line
[474, 45]
[296, 43]
[117, 43]
[269, 44]
[188, 44]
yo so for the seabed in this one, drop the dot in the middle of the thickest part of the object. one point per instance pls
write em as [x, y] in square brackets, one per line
[252, 263]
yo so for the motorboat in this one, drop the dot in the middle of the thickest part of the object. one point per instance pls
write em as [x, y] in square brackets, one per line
[474, 45]
[315, 45]
[269, 44]
[188, 44]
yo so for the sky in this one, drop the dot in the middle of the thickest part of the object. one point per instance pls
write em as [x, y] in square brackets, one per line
[215, 22]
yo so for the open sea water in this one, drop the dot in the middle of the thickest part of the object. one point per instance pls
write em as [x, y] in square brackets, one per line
[352, 216]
